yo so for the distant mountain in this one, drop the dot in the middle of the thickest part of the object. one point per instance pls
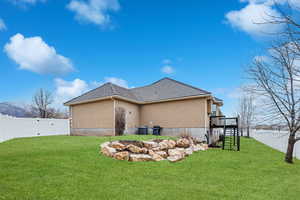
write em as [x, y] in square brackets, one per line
[10, 109]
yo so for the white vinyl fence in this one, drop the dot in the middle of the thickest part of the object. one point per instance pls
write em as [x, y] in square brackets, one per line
[275, 139]
[11, 127]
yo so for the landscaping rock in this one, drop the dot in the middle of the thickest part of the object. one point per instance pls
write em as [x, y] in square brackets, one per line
[205, 146]
[183, 142]
[123, 155]
[149, 144]
[175, 158]
[105, 144]
[155, 150]
[108, 151]
[144, 150]
[156, 157]
[162, 153]
[163, 145]
[189, 151]
[134, 149]
[196, 140]
[140, 157]
[177, 152]
[171, 144]
[117, 145]
[151, 152]
[197, 147]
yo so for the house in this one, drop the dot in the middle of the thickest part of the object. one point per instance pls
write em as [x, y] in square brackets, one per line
[177, 107]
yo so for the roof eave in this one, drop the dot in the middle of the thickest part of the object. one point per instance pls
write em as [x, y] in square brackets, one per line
[137, 102]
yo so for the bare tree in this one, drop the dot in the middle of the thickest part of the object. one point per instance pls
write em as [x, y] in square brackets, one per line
[41, 101]
[57, 113]
[277, 81]
[277, 78]
[246, 112]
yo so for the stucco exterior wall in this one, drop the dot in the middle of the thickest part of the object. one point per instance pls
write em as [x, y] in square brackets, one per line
[176, 117]
[94, 118]
[132, 117]
[190, 113]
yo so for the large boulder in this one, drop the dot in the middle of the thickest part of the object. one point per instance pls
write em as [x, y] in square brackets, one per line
[150, 144]
[144, 150]
[155, 156]
[163, 145]
[117, 145]
[191, 141]
[196, 147]
[177, 152]
[204, 146]
[123, 155]
[171, 144]
[162, 153]
[200, 147]
[105, 144]
[156, 149]
[108, 151]
[183, 142]
[196, 140]
[140, 157]
[134, 149]
[151, 152]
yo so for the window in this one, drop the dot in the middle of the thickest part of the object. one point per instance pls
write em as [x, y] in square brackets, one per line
[213, 109]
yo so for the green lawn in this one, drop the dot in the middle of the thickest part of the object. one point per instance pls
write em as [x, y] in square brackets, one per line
[65, 167]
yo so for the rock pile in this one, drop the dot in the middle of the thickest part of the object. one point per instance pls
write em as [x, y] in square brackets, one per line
[153, 150]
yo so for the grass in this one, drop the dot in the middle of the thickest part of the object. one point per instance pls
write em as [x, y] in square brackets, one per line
[65, 167]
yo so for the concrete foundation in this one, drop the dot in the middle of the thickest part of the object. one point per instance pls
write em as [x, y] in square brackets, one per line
[131, 131]
[92, 131]
[174, 132]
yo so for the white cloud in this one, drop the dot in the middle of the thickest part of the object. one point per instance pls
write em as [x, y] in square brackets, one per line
[66, 90]
[167, 69]
[252, 19]
[117, 81]
[70, 88]
[93, 11]
[2, 25]
[272, 2]
[35, 55]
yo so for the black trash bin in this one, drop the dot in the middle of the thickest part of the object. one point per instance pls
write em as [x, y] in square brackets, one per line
[156, 130]
[143, 131]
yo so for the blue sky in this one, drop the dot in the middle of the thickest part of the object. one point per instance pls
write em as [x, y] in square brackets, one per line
[69, 46]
